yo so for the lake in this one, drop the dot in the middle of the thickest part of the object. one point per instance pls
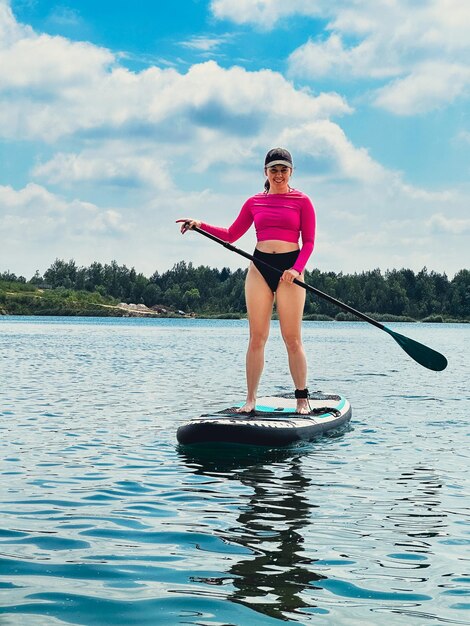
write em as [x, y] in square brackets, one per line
[105, 520]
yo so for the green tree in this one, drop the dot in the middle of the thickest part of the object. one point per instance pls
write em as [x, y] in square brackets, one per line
[152, 295]
[61, 273]
[459, 295]
[191, 298]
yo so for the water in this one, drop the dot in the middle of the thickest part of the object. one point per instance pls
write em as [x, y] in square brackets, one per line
[104, 520]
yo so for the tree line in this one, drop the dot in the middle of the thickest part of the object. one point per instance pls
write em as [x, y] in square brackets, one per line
[209, 291]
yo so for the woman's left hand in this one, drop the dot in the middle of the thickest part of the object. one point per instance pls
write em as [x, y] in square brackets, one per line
[289, 275]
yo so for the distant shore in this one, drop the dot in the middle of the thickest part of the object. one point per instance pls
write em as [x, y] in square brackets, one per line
[141, 311]
[218, 296]
[72, 304]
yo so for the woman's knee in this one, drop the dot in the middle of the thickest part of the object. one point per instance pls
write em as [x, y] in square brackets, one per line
[293, 343]
[258, 340]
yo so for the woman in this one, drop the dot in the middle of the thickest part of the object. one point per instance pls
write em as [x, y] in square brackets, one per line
[280, 215]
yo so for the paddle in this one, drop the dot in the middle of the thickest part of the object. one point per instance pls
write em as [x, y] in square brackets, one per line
[419, 352]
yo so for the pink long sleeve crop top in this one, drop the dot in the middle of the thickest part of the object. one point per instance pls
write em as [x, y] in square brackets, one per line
[283, 216]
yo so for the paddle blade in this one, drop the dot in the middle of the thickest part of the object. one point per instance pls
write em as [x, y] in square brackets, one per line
[420, 353]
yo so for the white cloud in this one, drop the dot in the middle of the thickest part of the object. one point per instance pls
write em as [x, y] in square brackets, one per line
[429, 86]
[326, 142]
[205, 44]
[10, 30]
[463, 136]
[112, 164]
[399, 41]
[48, 63]
[441, 223]
[65, 16]
[263, 13]
[322, 58]
[34, 213]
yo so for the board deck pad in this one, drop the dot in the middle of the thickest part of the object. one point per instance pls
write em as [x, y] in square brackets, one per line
[319, 403]
[273, 422]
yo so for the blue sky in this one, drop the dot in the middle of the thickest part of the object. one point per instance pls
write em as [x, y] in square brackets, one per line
[116, 118]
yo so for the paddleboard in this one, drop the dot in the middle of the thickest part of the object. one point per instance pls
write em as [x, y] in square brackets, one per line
[274, 422]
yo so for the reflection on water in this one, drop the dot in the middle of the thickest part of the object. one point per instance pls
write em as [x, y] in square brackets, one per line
[270, 526]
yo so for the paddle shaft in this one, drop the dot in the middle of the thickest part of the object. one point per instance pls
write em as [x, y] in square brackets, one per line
[298, 282]
[425, 356]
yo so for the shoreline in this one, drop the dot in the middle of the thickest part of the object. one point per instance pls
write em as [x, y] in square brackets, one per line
[120, 312]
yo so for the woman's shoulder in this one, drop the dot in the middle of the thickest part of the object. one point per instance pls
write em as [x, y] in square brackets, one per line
[255, 199]
[300, 195]
[304, 201]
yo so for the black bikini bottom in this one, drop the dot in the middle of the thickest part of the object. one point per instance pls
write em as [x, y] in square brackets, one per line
[281, 261]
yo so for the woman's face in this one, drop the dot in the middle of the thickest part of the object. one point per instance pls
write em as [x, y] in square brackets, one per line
[278, 176]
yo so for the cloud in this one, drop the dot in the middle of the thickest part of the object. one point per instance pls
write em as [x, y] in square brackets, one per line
[65, 16]
[463, 136]
[10, 30]
[206, 44]
[34, 213]
[263, 13]
[398, 41]
[321, 59]
[33, 61]
[326, 142]
[429, 86]
[440, 223]
[112, 164]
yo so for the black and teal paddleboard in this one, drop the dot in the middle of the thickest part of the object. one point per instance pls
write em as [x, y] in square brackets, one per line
[273, 423]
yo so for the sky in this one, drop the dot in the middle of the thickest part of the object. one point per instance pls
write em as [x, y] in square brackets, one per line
[117, 118]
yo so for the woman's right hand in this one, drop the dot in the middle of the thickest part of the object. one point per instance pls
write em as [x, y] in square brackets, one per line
[188, 224]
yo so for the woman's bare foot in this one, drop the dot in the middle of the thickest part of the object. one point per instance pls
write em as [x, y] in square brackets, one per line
[248, 407]
[302, 406]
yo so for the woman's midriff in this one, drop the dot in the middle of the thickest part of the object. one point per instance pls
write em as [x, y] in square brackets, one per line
[274, 246]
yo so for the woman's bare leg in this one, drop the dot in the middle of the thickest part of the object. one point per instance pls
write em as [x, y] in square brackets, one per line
[259, 305]
[290, 301]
